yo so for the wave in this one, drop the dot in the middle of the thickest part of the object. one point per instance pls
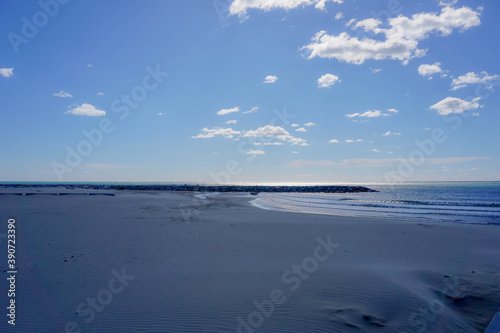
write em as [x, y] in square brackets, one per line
[397, 204]
[429, 203]
[456, 211]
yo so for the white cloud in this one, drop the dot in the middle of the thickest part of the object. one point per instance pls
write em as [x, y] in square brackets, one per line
[275, 132]
[240, 7]
[210, 133]
[298, 141]
[255, 152]
[375, 70]
[351, 22]
[269, 144]
[370, 24]
[309, 124]
[295, 125]
[301, 129]
[447, 3]
[376, 150]
[231, 122]
[352, 115]
[327, 80]
[388, 133]
[270, 79]
[6, 72]
[346, 141]
[471, 78]
[86, 110]
[371, 114]
[89, 65]
[428, 70]
[295, 152]
[100, 93]
[454, 105]
[339, 16]
[226, 111]
[161, 113]
[367, 114]
[63, 93]
[401, 39]
[252, 110]
[267, 131]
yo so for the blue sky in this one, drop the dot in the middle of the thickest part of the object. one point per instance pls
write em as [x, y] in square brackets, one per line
[249, 91]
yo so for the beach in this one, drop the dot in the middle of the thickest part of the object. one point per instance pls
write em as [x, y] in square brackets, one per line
[149, 261]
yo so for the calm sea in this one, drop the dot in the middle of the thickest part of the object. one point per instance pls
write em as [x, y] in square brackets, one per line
[460, 202]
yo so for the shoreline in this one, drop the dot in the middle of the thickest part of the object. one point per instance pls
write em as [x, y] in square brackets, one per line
[219, 264]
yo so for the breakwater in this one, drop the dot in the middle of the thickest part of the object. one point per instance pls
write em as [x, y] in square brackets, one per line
[202, 188]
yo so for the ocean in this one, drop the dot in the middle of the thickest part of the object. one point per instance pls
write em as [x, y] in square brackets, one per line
[456, 202]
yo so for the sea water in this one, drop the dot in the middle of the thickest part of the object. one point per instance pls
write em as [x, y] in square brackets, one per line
[459, 202]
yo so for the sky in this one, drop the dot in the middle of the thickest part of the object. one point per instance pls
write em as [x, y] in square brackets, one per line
[262, 91]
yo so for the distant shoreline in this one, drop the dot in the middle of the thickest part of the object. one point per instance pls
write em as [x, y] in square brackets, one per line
[203, 188]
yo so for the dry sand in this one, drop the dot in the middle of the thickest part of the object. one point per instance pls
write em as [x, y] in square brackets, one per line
[170, 262]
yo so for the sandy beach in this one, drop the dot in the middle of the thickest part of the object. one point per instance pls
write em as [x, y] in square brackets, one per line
[175, 262]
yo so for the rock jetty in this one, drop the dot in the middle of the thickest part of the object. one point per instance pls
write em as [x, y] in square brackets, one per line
[254, 189]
